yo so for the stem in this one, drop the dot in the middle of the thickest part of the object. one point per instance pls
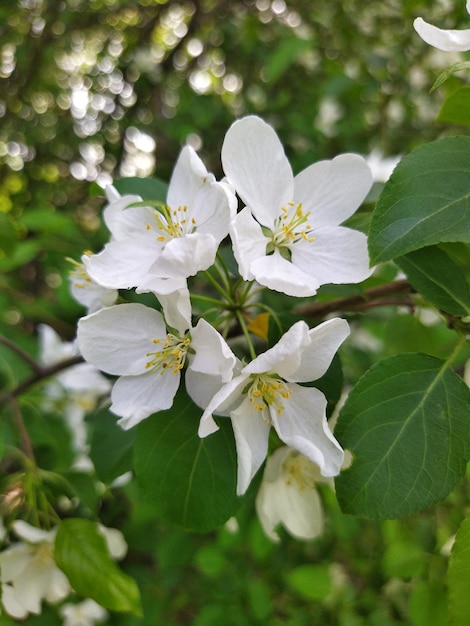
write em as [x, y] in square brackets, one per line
[242, 323]
[220, 289]
[25, 440]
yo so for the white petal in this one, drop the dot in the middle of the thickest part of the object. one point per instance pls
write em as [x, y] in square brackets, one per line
[255, 164]
[212, 209]
[337, 256]
[212, 355]
[303, 426]
[188, 178]
[447, 40]
[285, 356]
[251, 437]
[14, 560]
[279, 274]
[249, 242]
[185, 256]
[11, 604]
[136, 397]
[176, 307]
[118, 339]
[125, 221]
[225, 399]
[316, 358]
[333, 190]
[115, 541]
[112, 194]
[122, 264]
[32, 534]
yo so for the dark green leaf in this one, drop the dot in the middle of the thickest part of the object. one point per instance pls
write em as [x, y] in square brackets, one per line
[425, 202]
[405, 420]
[82, 554]
[458, 576]
[111, 446]
[435, 275]
[456, 108]
[146, 188]
[188, 480]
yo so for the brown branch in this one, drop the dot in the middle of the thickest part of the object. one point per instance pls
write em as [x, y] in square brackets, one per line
[20, 352]
[25, 439]
[37, 376]
[376, 296]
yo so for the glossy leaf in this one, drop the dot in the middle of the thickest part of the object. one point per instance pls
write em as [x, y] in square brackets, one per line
[147, 188]
[188, 480]
[82, 554]
[435, 275]
[404, 421]
[425, 202]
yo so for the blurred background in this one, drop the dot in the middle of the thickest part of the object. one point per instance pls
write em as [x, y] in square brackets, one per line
[95, 90]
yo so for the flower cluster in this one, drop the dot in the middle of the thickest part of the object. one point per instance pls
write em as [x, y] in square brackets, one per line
[288, 237]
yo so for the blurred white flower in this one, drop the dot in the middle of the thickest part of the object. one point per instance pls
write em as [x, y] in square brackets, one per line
[380, 166]
[29, 573]
[73, 392]
[446, 40]
[288, 495]
[86, 613]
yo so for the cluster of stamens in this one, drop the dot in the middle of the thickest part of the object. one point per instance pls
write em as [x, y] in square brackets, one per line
[80, 275]
[268, 390]
[298, 469]
[171, 357]
[292, 225]
[172, 223]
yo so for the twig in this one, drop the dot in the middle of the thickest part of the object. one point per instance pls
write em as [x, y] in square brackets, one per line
[26, 445]
[20, 352]
[376, 296]
[37, 376]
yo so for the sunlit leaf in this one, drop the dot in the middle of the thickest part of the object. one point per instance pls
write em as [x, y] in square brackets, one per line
[425, 202]
[404, 421]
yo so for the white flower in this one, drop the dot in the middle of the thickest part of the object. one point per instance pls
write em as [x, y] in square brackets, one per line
[86, 613]
[132, 341]
[29, 572]
[288, 495]
[151, 245]
[87, 292]
[266, 393]
[447, 40]
[381, 167]
[287, 237]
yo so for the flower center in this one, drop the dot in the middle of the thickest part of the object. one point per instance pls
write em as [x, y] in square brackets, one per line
[79, 275]
[268, 390]
[291, 226]
[172, 223]
[300, 470]
[171, 357]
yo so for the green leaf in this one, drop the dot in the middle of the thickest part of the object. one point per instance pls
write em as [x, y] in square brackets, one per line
[406, 424]
[82, 554]
[456, 108]
[458, 576]
[146, 188]
[284, 56]
[111, 446]
[311, 582]
[426, 201]
[435, 275]
[450, 71]
[190, 481]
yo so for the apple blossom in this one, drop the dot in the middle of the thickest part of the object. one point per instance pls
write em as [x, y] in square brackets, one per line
[288, 495]
[266, 393]
[288, 236]
[87, 292]
[29, 571]
[132, 341]
[162, 241]
[446, 40]
[86, 613]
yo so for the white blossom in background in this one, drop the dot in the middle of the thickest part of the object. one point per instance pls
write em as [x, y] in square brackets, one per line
[29, 573]
[288, 495]
[132, 341]
[73, 392]
[86, 613]
[442, 39]
[87, 292]
[266, 393]
[288, 237]
[172, 241]
[381, 167]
